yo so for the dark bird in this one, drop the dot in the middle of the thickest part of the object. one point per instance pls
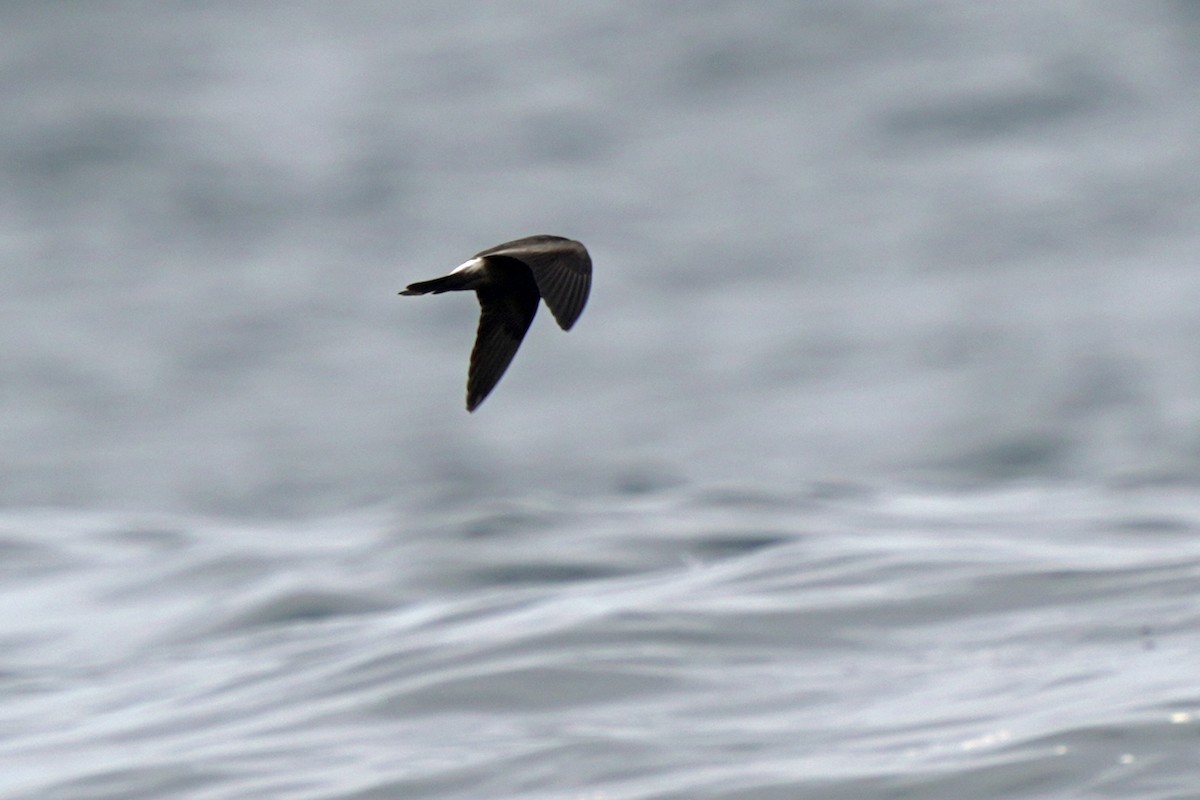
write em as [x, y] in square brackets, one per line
[509, 279]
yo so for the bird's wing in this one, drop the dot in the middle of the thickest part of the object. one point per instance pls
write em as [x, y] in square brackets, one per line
[505, 313]
[562, 269]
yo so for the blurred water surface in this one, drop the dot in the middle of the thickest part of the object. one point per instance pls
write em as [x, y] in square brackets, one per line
[870, 471]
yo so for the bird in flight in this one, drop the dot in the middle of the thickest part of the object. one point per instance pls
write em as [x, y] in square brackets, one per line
[508, 280]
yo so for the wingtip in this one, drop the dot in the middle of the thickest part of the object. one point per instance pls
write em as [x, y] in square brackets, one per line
[567, 323]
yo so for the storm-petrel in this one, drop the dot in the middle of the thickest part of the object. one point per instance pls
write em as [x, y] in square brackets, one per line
[508, 279]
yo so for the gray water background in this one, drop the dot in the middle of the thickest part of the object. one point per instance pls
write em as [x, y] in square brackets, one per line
[870, 470]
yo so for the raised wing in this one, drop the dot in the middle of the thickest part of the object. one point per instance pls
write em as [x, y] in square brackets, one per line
[562, 269]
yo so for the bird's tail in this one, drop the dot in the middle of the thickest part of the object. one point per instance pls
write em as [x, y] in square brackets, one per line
[437, 285]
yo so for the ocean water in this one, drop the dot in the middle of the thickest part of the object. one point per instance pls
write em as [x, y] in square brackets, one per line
[872, 469]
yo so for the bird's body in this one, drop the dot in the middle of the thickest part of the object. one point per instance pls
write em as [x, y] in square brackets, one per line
[508, 280]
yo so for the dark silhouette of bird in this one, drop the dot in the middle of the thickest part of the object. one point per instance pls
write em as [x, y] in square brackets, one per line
[508, 280]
